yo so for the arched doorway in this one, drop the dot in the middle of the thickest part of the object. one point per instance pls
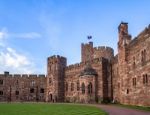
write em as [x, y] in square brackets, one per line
[50, 97]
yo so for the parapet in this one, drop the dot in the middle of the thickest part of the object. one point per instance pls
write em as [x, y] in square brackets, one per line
[103, 51]
[32, 75]
[143, 35]
[73, 66]
[104, 48]
[25, 75]
[87, 44]
[82, 64]
[22, 75]
[41, 75]
[56, 59]
[17, 75]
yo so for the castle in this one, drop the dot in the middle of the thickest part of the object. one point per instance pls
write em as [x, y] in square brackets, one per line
[100, 76]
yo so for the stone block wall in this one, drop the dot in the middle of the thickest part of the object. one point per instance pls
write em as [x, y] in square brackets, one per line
[18, 87]
[134, 66]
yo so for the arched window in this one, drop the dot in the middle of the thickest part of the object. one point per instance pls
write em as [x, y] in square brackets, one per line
[134, 81]
[72, 86]
[145, 79]
[66, 86]
[90, 88]
[83, 88]
[133, 62]
[50, 80]
[143, 56]
[78, 86]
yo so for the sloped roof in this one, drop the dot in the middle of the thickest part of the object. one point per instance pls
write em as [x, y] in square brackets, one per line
[88, 70]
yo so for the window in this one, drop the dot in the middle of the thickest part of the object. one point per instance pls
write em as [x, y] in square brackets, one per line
[143, 56]
[133, 62]
[78, 86]
[127, 91]
[66, 86]
[17, 82]
[17, 92]
[49, 68]
[41, 90]
[118, 85]
[72, 86]
[32, 83]
[50, 80]
[90, 88]
[83, 88]
[32, 90]
[1, 82]
[1, 92]
[145, 79]
[134, 81]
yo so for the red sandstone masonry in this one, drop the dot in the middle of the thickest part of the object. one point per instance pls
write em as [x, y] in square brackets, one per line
[113, 79]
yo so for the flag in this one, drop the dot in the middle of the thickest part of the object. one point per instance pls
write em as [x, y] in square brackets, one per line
[89, 37]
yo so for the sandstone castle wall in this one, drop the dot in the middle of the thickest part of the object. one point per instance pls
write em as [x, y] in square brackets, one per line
[99, 77]
[18, 87]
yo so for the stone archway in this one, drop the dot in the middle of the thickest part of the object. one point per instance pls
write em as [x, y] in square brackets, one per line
[50, 97]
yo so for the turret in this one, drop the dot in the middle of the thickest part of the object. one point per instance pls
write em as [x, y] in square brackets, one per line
[124, 37]
[55, 78]
[87, 51]
[124, 40]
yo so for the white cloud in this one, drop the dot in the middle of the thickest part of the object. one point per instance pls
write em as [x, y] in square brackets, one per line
[3, 33]
[3, 36]
[12, 60]
[30, 35]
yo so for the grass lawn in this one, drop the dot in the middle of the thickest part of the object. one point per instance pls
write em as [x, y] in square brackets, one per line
[47, 109]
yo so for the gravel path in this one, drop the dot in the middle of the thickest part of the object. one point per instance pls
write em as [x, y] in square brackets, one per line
[115, 110]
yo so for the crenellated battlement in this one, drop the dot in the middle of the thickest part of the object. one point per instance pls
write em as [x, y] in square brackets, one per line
[16, 75]
[86, 51]
[103, 51]
[81, 64]
[104, 48]
[56, 59]
[22, 75]
[87, 44]
[76, 65]
[140, 37]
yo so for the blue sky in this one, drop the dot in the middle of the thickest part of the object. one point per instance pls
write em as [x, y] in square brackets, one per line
[32, 30]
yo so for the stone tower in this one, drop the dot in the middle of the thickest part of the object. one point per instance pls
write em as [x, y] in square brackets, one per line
[87, 52]
[55, 78]
[124, 40]
[124, 37]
